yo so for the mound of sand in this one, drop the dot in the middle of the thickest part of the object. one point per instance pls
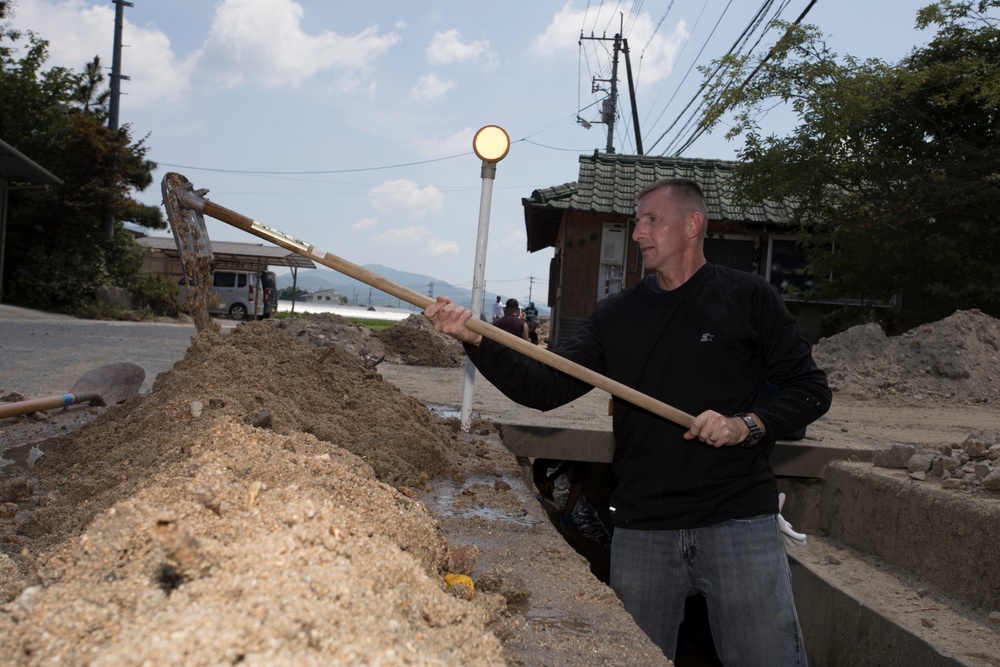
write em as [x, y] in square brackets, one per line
[254, 508]
[956, 359]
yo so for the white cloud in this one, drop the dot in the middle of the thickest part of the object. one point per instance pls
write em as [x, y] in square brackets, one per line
[404, 196]
[653, 51]
[660, 53]
[562, 33]
[456, 144]
[250, 42]
[447, 47]
[77, 31]
[403, 236]
[262, 42]
[431, 87]
[364, 223]
[516, 240]
[441, 248]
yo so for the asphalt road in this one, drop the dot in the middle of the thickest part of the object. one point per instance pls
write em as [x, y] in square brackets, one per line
[43, 354]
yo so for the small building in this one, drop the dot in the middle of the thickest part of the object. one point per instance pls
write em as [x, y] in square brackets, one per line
[162, 257]
[328, 296]
[589, 225]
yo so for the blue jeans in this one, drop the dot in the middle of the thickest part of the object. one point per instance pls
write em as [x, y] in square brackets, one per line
[741, 568]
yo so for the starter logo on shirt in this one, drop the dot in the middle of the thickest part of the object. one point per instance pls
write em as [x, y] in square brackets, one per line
[706, 338]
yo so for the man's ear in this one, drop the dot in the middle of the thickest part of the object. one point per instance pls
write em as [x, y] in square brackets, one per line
[696, 221]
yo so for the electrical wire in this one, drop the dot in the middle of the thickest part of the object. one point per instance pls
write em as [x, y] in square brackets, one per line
[642, 51]
[696, 59]
[702, 128]
[734, 49]
[313, 173]
[677, 90]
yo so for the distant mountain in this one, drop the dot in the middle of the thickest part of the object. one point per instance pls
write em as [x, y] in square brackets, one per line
[360, 294]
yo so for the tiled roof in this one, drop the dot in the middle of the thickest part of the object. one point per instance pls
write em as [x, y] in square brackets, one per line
[609, 184]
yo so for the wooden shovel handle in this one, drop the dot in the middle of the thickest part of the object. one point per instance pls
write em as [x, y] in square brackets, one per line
[47, 403]
[637, 398]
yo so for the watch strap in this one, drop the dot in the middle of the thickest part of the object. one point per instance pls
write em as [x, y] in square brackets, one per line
[755, 433]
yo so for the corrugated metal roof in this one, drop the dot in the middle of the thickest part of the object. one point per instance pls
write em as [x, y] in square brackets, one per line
[609, 183]
[233, 254]
[14, 166]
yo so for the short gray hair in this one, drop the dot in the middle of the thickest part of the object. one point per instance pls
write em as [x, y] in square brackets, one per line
[689, 191]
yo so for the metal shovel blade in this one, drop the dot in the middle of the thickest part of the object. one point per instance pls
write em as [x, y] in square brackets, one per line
[114, 383]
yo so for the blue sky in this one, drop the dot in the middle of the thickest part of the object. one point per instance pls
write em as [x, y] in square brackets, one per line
[363, 113]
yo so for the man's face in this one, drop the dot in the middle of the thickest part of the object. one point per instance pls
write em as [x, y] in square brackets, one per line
[660, 229]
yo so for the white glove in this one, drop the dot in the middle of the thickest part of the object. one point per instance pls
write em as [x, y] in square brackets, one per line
[791, 538]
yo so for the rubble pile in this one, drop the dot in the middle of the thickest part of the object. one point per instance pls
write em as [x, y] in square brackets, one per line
[954, 360]
[972, 466]
[412, 341]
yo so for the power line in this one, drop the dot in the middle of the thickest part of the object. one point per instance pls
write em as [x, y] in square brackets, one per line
[686, 74]
[314, 173]
[734, 49]
[694, 62]
[702, 128]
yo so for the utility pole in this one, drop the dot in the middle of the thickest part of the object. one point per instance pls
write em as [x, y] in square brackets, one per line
[611, 101]
[116, 90]
[610, 105]
[116, 64]
[531, 283]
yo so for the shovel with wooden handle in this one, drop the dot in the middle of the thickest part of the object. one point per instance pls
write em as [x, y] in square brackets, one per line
[106, 385]
[189, 199]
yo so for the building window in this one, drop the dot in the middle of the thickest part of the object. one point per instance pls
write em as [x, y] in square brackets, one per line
[786, 267]
[735, 252]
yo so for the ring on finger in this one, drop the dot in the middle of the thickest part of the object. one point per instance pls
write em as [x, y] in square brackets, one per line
[711, 439]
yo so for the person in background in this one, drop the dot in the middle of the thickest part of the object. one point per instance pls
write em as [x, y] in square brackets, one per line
[696, 509]
[531, 317]
[497, 310]
[511, 321]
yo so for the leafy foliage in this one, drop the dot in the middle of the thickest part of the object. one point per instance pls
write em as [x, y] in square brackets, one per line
[65, 241]
[157, 294]
[894, 166]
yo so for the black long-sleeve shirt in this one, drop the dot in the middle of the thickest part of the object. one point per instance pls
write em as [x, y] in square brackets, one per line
[715, 342]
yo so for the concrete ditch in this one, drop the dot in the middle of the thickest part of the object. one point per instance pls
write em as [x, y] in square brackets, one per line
[897, 571]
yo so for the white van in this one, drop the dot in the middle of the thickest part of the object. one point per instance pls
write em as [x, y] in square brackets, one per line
[239, 292]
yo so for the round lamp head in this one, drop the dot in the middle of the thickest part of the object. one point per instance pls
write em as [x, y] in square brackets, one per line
[491, 143]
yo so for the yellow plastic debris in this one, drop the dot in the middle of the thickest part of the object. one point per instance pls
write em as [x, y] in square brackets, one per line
[451, 580]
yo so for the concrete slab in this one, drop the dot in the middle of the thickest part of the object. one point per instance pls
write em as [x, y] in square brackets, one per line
[798, 458]
[855, 612]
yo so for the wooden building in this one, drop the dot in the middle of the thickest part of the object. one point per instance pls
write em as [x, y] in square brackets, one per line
[589, 225]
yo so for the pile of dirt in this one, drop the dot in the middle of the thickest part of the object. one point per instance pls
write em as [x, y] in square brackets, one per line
[415, 342]
[255, 507]
[412, 341]
[956, 360]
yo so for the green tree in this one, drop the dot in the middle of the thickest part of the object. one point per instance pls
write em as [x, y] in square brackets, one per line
[895, 167]
[57, 252]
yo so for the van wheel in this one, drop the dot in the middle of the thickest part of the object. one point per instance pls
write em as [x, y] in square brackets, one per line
[237, 311]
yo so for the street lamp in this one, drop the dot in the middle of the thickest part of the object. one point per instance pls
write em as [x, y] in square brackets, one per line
[491, 144]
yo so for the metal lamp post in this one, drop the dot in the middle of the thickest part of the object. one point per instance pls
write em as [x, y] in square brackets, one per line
[491, 144]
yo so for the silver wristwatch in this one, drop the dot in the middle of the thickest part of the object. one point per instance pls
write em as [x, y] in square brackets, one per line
[755, 433]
